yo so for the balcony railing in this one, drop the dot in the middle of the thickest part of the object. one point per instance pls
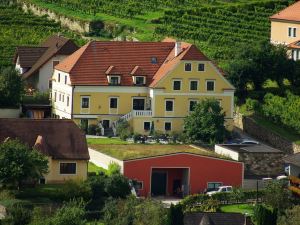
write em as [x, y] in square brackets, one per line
[142, 113]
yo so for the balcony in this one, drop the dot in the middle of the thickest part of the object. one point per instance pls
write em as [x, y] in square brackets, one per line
[142, 113]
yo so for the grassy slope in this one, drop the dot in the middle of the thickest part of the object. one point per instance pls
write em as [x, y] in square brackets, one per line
[239, 208]
[119, 150]
[96, 169]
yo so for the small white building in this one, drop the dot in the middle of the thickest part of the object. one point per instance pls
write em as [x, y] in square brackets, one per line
[292, 165]
[36, 63]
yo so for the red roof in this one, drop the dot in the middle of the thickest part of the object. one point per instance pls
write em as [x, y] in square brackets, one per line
[295, 44]
[91, 64]
[291, 13]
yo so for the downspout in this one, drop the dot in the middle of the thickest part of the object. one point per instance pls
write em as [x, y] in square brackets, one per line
[73, 87]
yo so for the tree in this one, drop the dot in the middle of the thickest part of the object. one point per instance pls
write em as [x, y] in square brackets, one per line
[264, 215]
[117, 186]
[175, 215]
[18, 215]
[19, 163]
[277, 196]
[291, 216]
[11, 88]
[206, 122]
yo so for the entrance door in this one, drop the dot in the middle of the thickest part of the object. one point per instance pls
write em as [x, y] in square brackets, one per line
[138, 104]
[158, 183]
[105, 124]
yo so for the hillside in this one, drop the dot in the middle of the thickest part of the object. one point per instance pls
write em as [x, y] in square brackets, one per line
[18, 28]
[215, 26]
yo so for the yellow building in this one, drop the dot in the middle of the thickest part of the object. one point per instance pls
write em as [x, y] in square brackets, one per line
[285, 29]
[146, 83]
[61, 141]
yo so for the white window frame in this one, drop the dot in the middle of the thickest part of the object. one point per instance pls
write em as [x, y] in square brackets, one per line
[191, 84]
[144, 80]
[292, 32]
[175, 80]
[55, 96]
[192, 100]
[58, 77]
[59, 97]
[81, 98]
[145, 99]
[201, 70]
[149, 126]
[191, 67]
[66, 79]
[68, 174]
[172, 100]
[63, 98]
[142, 182]
[111, 76]
[170, 127]
[68, 100]
[206, 81]
[50, 82]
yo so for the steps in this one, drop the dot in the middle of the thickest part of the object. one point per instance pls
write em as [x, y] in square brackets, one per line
[108, 132]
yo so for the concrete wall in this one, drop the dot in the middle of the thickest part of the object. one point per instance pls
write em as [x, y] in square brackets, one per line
[54, 175]
[10, 113]
[104, 160]
[248, 125]
[226, 152]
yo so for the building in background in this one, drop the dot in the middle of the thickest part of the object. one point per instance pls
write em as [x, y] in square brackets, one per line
[152, 85]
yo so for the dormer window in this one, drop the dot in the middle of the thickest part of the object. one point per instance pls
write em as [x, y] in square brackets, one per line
[139, 80]
[114, 80]
[153, 60]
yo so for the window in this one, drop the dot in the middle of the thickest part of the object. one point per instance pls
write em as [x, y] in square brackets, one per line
[138, 185]
[193, 85]
[292, 32]
[58, 77]
[68, 100]
[193, 103]
[114, 80]
[295, 54]
[147, 125]
[213, 185]
[55, 96]
[139, 80]
[66, 79]
[67, 168]
[54, 63]
[176, 85]
[50, 84]
[59, 98]
[168, 126]
[153, 60]
[84, 123]
[201, 67]
[63, 98]
[169, 105]
[113, 103]
[188, 67]
[210, 85]
[85, 102]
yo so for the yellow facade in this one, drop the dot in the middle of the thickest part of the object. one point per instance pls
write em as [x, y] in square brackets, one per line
[54, 175]
[280, 32]
[99, 99]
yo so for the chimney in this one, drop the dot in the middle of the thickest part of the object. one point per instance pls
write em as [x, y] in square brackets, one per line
[177, 48]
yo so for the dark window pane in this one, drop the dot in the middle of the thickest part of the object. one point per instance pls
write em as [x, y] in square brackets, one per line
[192, 105]
[201, 67]
[138, 104]
[153, 60]
[146, 125]
[68, 168]
[194, 85]
[169, 106]
[114, 80]
[113, 103]
[168, 126]
[176, 85]
[139, 80]
[85, 103]
[210, 85]
[188, 67]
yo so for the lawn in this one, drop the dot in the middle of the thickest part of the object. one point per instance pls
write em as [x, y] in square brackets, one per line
[95, 169]
[239, 208]
[117, 149]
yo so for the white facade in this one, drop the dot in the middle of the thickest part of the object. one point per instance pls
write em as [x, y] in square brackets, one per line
[226, 152]
[62, 97]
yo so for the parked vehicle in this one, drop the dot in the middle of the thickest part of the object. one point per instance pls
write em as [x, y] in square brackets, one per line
[220, 189]
[248, 142]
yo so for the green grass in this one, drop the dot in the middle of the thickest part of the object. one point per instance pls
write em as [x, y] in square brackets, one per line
[289, 134]
[132, 151]
[106, 141]
[96, 169]
[238, 208]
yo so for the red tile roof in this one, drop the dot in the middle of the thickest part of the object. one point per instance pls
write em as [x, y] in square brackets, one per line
[291, 13]
[91, 64]
[60, 139]
[28, 56]
[294, 45]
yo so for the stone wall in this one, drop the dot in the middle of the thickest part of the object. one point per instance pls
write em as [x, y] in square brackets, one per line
[248, 125]
[71, 23]
[262, 164]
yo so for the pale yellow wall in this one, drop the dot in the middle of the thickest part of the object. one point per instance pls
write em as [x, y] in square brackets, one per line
[55, 177]
[99, 102]
[279, 32]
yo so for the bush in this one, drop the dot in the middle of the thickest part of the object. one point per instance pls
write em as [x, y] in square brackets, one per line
[175, 215]
[92, 129]
[123, 129]
[76, 189]
[113, 169]
[136, 137]
[18, 215]
[117, 186]
[157, 135]
[36, 98]
[264, 215]
[252, 104]
[175, 136]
